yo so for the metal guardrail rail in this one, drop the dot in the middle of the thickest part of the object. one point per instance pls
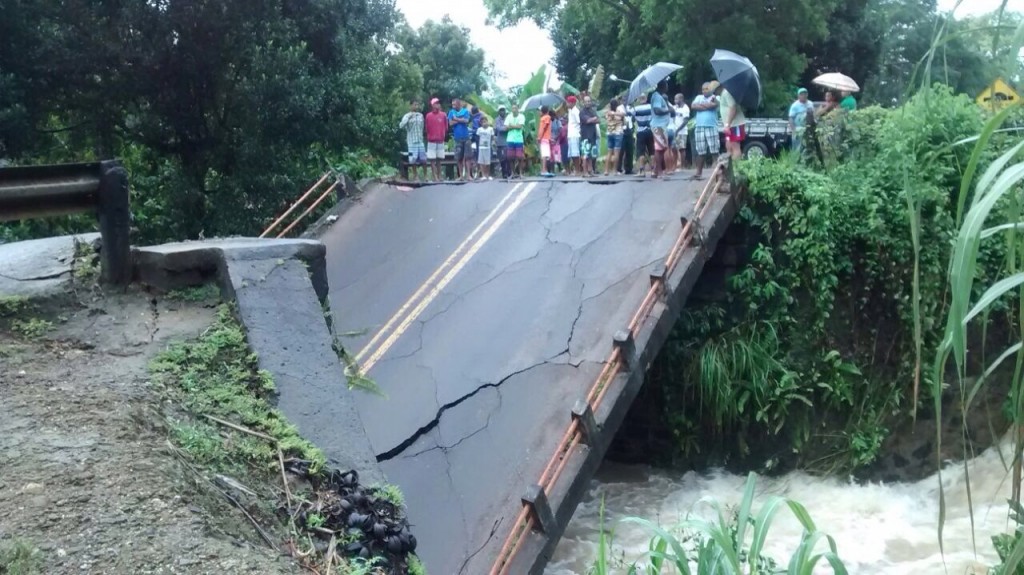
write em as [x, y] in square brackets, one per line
[338, 181]
[29, 192]
[536, 513]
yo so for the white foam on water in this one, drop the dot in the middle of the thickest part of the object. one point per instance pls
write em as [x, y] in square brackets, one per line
[879, 528]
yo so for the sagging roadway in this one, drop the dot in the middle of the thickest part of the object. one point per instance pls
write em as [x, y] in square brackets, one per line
[485, 312]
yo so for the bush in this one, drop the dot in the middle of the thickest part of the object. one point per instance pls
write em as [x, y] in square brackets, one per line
[815, 340]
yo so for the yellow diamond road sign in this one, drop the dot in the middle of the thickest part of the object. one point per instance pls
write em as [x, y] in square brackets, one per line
[997, 95]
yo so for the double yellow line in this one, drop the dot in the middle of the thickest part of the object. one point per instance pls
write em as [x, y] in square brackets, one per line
[413, 307]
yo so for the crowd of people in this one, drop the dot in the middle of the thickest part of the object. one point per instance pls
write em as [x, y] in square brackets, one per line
[653, 132]
[811, 126]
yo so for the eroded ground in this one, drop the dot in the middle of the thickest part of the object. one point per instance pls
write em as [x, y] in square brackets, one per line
[88, 478]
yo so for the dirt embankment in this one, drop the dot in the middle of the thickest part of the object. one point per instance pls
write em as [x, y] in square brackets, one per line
[88, 480]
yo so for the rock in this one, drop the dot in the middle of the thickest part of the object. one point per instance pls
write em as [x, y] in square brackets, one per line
[32, 488]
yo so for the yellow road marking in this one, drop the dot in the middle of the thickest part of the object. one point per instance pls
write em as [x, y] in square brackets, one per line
[437, 273]
[448, 277]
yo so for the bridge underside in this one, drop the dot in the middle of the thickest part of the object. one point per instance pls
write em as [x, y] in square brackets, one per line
[486, 312]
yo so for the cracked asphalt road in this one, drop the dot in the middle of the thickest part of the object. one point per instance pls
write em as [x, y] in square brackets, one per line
[480, 386]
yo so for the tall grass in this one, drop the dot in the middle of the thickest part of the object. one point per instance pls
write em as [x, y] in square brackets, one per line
[728, 544]
[988, 207]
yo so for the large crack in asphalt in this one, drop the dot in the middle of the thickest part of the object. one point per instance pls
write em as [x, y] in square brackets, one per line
[398, 449]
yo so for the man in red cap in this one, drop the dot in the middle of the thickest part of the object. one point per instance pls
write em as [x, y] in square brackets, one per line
[437, 130]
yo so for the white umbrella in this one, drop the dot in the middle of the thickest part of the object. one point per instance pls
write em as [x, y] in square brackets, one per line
[837, 81]
[649, 78]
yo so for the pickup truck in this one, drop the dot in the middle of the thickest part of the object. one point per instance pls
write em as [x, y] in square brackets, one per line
[765, 137]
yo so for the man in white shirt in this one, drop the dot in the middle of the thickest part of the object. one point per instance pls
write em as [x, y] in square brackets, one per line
[574, 136]
[680, 125]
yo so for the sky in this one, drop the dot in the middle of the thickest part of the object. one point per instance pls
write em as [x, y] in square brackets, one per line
[518, 52]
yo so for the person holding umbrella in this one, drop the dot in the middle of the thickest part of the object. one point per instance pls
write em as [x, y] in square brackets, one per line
[734, 123]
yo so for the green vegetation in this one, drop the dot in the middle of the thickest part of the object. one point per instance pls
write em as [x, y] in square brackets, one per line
[217, 376]
[11, 305]
[815, 339]
[293, 90]
[878, 42]
[222, 422]
[32, 328]
[389, 492]
[204, 293]
[723, 546]
[18, 557]
[416, 566]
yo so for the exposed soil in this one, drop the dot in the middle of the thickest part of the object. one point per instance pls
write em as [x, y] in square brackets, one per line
[88, 477]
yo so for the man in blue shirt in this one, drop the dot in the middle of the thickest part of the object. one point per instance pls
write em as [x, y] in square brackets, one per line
[662, 117]
[798, 118]
[459, 119]
[706, 143]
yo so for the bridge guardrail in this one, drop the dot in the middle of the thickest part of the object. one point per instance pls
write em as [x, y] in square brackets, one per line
[338, 181]
[29, 192]
[536, 512]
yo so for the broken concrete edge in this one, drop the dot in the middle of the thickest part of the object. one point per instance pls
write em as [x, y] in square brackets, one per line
[58, 275]
[583, 461]
[176, 266]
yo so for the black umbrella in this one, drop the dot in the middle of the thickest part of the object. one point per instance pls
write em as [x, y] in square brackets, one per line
[738, 75]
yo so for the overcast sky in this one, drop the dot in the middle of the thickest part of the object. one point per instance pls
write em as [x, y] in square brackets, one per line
[518, 52]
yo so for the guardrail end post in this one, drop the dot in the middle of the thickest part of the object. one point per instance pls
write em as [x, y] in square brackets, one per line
[114, 214]
[537, 501]
[584, 416]
[658, 274]
[627, 347]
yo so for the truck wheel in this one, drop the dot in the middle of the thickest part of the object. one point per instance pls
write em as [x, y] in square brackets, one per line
[755, 149]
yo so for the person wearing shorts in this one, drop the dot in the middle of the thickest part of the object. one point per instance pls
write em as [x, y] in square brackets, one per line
[544, 140]
[681, 123]
[589, 147]
[484, 142]
[660, 122]
[459, 119]
[412, 121]
[734, 123]
[515, 122]
[574, 136]
[644, 136]
[437, 129]
[705, 131]
[615, 120]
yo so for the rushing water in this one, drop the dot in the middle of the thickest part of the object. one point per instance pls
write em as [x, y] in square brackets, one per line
[879, 529]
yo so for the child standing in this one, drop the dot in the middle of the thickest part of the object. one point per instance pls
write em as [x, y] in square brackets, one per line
[484, 142]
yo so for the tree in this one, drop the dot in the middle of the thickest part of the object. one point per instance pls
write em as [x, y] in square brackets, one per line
[851, 46]
[625, 36]
[450, 65]
[223, 110]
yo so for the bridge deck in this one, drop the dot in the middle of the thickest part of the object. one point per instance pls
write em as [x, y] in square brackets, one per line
[484, 312]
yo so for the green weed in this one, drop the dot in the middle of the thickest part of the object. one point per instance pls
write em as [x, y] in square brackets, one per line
[203, 293]
[390, 493]
[32, 328]
[86, 267]
[217, 375]
[416, 566]
[315, 520]
[20, 558]
[727, 544]
[11, 305]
